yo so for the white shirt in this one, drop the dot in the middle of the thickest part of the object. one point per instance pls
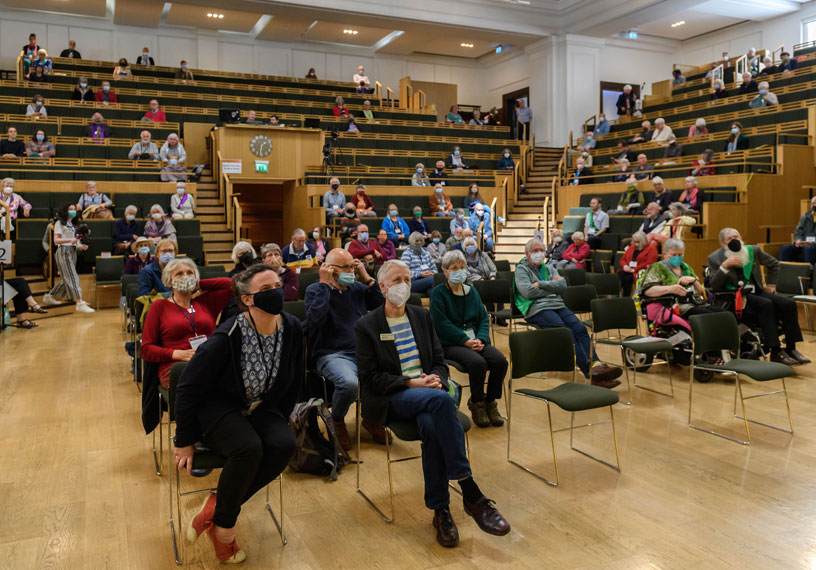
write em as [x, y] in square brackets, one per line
[358, 78]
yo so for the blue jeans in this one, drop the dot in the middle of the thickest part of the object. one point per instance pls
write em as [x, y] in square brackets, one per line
[443, 441]
[806, 253]
[422, 284]
[488, 244]
[563, 317]
[340, 369]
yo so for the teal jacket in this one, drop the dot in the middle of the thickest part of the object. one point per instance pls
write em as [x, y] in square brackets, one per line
[452, 314]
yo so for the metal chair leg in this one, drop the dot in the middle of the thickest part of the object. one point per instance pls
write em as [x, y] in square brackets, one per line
[552, 442]
[279, 525]
[712, 432]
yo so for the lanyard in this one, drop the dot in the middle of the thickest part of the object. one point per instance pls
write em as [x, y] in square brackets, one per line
[276, 341]
[187, 314]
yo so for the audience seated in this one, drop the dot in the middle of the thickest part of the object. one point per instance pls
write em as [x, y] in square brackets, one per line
[412, 386]
[645, 134]
[677, 79]
[98, 130]
[184, 73]
[803, 247]
[299, 254]
[728, 267]
[219, 386]
[718, 92]
[122, 71]
[603, 127]
[173, 171]
[82, 92]
[477, 119]
[36, 108]
[319, 244]
[333, 307]
[351, 125]
[38, 75]
[29, 53]
[653, 223]
[418, 224]
[769, 68]
[661, 194]
[273, 122]
[764, 97]
[692, 196]
[556, 248]
[251, 120]
[150, 278]
[182, 204]
[624, 152]
[482, 226]
[582, 174]
[361, 77]
[704, 165]
[386, 245]
[11, 147]
[436, 248]
[126, 233]
[737, 141]
[15, 202]
[159, 227]
[453, 116]
[674, 150]
[455, 239]
[367, 112]
[154, 113]
[459, 220]
[365, 249]
[145, 59]
[788, 63]
[461, 323]
[105, 95]
[142, 258]
[479, 265]
[662, 131]
[748, 85]
[348, 222]
[43, 62]
[272, 256]
[631, 200]
[395, 227]
[626, 102]
[639, 254]
[40, 146]
[333, 201]
[145, 149]
[643, 170]
[243, 255]
[340, 109]
[454, 160]
[440, 204]
[420, 178]
[698, 129]
[537, 294]
[597, 222]
[506, 161]
[311, 73]
[575, 254]
[439, 175]
[173, 146]
[363, 203]
[679, 224]
[91, 198]
[420, 263]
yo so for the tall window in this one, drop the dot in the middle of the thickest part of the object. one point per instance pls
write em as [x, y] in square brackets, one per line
[809, 30]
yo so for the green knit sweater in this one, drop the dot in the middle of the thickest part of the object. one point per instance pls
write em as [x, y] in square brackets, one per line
[452, 314]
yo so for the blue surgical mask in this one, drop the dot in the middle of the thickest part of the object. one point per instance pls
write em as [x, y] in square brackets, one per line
[435, 240]
[439, 190]
[471, 249]
[363, 236]
[106, 88]
[458, 277]
[40, 138]
[393, 213]
[735, 131]
[166, 258]
[130, 217]
[676, 260]
[179, 191]
[419, 171]
[173, 161]
[763, 91]
[144, 250]
[71, 214]
[456, 153]
[345, 279]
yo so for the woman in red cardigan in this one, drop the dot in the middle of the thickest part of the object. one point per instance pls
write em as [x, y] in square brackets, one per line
[576, 253]
[639, 255]
[176, 326]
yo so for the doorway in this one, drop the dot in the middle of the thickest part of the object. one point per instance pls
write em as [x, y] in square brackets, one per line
[509, 104]
[609, 96]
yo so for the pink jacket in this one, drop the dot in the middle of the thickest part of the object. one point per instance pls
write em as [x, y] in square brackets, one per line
[15, 203]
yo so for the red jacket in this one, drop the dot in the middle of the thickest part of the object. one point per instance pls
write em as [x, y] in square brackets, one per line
[577, 254]
[367, 201]
[359, 250]
[99, 97]
[338, 111]
[157, 117]
[645, 258]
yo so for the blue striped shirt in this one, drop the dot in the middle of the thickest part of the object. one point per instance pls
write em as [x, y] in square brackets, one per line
[418, 262]
[406, 346]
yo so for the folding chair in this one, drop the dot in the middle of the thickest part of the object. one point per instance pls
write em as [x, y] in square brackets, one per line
[107, 273]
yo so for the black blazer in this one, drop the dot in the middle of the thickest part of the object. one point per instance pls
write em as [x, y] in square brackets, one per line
[212, 386]
[750, 87]
[141, 60]
[378, 365]
[106, 130]
[621, 103]
[720, 280]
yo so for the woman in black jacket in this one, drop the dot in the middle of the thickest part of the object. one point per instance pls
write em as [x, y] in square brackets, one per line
[235, 397]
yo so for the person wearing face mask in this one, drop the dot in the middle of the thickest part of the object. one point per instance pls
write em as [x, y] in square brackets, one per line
[482, 226]
[343, 295]
[182, 204]
[365, 249]
[704, 166]
[440, 204]
[106, 95]
[576, 254]
[299, 254]
[98, 130]
[144, 149]
[395, 227]
[673, 150]
[473, 198]
[66, 257]
[145, 58]
[582, 174]
[319, 244]
[436, 248]
[768, 67]
[333, 201]
[363, 203]
[94, 204]
[122, 71]
[556, 248]
[639, 255]
[537, 294]
[271, 255]
[422, 265]
[692, 196]
[803, 247]
[677, 79]
[349, 222]
[463, 328]
[386, 245]
[235, 397]
[351, 125]
[36, 108]
[126, 231]
[173, 146]
[459, 220]
[603, 127]
[631, 201]
[150, 278]
[142, 258]
[737, 140]
[454, 160]
[243, 255]
[184, 73]
[788, 63]
[735, 269]
[12, 147]
[83, 92]
[40, 146]
[173, 170]
[159, 227]
[15, 202]
[403, 376]
[439, 175]
[478, 264]
[718, 91]
[419, 177]
[506, 161]
[455, 239]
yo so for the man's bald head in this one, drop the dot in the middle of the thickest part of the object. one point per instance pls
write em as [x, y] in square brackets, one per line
[339, 257]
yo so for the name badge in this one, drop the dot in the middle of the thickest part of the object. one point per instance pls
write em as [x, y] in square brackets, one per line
[633, 264]
[470, 334]
[810, 239]
[387, 337]
[197, 341]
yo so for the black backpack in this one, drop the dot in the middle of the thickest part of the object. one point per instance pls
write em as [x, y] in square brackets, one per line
[315, 453]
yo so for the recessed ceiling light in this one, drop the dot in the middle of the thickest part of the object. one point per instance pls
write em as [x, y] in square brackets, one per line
[209, 15]
[463, 44]
[221, 16]
[214, 15]
[351, 32]
[676, 24]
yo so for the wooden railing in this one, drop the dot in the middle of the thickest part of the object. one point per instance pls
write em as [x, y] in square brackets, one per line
[51, 272]
[718, 74]
[20, 67]
[237, 219]
[390, 98]
[546, 218]
[775, 53]
[378, 92]
[7, 214]
[590, 122]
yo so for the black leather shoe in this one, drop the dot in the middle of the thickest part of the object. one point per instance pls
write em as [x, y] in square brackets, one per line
[446, 532]
[783, 358]
[797, 356]
[487, 516]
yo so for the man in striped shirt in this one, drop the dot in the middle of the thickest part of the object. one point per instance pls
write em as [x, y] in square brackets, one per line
[403, 377]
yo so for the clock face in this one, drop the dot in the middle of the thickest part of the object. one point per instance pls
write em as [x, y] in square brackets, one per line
[260, 145]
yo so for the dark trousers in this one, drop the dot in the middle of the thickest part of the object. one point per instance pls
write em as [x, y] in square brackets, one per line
[444, 457]
[258, 448]
[478, 364]
[626, 280]
[563, 317]
[805, 253]
[769, 311]
[594, 242]
[23, 292]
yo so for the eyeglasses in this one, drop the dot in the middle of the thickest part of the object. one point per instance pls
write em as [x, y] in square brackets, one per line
[343, 267]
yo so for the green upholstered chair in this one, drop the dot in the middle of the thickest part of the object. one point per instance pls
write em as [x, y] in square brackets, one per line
[606, 284]
[574, 275]
[296, 309]
[552, 350]
[718, 332]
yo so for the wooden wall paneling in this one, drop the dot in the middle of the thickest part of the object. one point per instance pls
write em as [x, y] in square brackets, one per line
[292, 149]
[195, 142]
[298, 211]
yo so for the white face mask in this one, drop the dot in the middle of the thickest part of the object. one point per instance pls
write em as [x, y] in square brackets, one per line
[557, 239]
[186, 284]
[157, 217]
[538, 257]
[506, 155]
[399, 294]
[316, 235]
[8, 190]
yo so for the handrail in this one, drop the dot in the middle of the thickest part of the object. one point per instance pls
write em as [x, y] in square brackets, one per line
[389, 96]
[7, 214]
[740, 67]
[237, 219]
[556, 183]
[378, 91]
[779, 49]
[718, 74]
[591, 120]
[546, 232]
[20, 68]
[409, 91]
[423, 98]
[493, 215]
[51, 276]
[570, 140]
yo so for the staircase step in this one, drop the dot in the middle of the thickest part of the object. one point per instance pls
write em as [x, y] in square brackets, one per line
[210, 210]
[208, 201]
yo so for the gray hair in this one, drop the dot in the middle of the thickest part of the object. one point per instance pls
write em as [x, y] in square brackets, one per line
[468, 241]
[173, 265]
[420, 165]
[7, 181]
[678, 207]
[157, 207]
[700, 122]
[641, 237]
[382, 274]
[813, 200]
[660, 121]
[452, 256]
[418, 208]
[579, 235]
[657, 180]
[674, 243]
[763, 83]
[458, 211]
[529, 245]
[416, 237]
[725, 232]
[172, 135]
[627, 87]
[131, 208]
[267, 247]
[691, 179]
[298, 231]
[89, 182]
[242, 246]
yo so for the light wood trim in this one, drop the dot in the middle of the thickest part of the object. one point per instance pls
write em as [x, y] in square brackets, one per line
[7, 214]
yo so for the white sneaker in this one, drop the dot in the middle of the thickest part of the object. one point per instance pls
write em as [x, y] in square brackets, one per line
[83, 307]
[49, 299]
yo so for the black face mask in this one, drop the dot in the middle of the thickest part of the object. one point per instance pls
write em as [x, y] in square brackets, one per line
[269, 301]
[335, 186]
[246, 258]
[735, 245]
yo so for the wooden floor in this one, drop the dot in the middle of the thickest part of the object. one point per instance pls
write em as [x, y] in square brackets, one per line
[78, 488]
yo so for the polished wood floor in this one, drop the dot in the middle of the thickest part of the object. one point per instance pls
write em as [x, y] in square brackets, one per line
[78, 488]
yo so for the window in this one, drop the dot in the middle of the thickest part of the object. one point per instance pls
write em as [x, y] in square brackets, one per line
[809, 30]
